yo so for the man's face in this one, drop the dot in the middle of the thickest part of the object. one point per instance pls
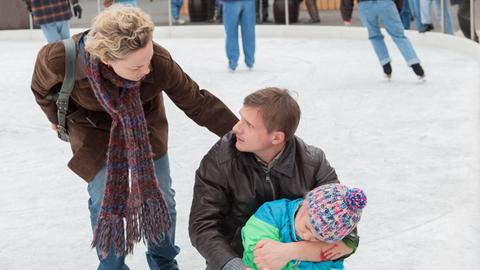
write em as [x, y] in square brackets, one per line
[134, 66]
[252, 135]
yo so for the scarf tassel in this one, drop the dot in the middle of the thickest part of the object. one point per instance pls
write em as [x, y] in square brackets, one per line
[109, 230]
[150, 222]
[146, 222]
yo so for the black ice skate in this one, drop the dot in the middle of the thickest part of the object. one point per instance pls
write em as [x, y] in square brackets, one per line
[387, 69]
[417, 68]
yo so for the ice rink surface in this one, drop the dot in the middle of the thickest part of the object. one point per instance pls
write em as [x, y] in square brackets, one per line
[412, 145]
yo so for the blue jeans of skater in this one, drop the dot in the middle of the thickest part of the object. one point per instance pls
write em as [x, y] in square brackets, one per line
[405, 15]
[158, 257]
[239, 13]
[426, 14]
[414, 6]
[370, 13]
[56, 31]
[176, 6]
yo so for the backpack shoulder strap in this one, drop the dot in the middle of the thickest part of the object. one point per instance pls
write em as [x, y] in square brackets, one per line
[67, 87]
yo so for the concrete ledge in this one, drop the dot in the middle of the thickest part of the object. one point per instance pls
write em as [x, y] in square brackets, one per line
[438, 40]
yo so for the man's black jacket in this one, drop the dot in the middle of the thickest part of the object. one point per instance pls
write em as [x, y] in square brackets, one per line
[231, 185]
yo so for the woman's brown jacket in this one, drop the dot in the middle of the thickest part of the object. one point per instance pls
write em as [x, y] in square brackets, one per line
[89, 124]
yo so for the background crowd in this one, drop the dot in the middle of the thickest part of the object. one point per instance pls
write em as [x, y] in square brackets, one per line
[419, 15]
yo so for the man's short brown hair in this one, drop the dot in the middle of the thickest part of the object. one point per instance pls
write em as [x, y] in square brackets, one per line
[279, 110]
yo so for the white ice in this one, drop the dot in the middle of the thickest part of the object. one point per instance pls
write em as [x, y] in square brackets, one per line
[412, 145]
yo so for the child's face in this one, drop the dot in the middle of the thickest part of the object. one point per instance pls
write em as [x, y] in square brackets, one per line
[303, 228]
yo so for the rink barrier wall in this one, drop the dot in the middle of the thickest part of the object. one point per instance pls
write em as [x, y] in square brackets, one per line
[434, 39]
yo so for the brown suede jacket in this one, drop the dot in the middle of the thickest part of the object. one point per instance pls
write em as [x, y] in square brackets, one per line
[231, 185]
[89, 124]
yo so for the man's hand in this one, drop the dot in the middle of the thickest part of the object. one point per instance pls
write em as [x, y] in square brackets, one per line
[271, 255]
[77, 11]
[54, 127]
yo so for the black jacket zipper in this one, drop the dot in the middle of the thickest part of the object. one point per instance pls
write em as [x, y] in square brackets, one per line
[269, 181]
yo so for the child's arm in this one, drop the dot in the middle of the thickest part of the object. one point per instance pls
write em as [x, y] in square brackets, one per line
[261, 226]
[271, 254]
[255, 230]
[319, 251]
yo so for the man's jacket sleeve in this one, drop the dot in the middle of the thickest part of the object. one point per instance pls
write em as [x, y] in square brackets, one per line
[210, 206]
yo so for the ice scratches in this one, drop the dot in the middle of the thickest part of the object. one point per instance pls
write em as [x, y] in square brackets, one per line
[22, 211]
[20, 129]
[411, 228]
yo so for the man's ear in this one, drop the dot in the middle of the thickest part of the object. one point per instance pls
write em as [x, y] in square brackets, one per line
[278, 137]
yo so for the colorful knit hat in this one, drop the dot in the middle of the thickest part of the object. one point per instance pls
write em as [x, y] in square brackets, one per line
[334, 210]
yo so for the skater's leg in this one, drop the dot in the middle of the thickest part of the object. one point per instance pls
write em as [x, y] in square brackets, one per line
[393, 25]
[368, 12]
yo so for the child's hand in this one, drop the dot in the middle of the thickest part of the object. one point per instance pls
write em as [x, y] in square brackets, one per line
[271, 255]
[335, 251]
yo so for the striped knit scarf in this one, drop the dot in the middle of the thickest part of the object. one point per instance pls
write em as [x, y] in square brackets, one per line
[139, 203]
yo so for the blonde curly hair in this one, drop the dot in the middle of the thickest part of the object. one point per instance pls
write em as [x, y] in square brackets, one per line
[118, 31]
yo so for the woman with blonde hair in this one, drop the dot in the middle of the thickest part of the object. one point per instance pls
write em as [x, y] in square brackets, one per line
[118, 130]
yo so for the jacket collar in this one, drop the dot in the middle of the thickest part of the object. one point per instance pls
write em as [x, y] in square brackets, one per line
[149, 78]
[272, 163]
[285, 163]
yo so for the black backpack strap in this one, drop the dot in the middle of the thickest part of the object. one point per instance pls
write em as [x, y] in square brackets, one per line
[67, 87]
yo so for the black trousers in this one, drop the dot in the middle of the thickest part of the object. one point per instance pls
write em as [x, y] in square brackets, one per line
[264, 9]
[463, 15]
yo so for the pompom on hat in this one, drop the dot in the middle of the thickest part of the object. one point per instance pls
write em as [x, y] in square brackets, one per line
[334, 210]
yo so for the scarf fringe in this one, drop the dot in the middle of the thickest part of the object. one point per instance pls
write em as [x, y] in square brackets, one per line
[109, 231]
[146, 222]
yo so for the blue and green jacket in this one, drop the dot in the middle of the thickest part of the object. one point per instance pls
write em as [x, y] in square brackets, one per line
[275, 220]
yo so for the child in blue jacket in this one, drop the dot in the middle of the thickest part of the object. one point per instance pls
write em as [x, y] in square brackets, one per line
[328, 213]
